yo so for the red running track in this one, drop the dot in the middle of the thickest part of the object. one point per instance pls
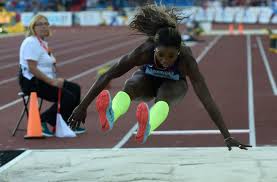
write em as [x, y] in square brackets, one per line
[224, 66]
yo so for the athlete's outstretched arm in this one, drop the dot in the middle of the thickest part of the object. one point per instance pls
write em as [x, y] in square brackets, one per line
[202, 91]
[135, 58]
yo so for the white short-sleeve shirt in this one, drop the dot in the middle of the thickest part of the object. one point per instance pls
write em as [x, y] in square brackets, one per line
[31, 49]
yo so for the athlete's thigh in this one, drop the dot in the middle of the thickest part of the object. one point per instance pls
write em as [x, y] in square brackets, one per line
[172, 91]
[140, 86]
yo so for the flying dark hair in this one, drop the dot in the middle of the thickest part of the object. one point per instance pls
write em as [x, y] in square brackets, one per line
[160, 23]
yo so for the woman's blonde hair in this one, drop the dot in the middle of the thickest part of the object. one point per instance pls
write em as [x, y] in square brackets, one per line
[31, 27]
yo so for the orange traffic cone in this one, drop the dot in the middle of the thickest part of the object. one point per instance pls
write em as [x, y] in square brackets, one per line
[240, 28]
[231, 29]
[34, 129]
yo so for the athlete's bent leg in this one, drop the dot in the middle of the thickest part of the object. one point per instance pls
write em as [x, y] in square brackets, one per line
[168, 94]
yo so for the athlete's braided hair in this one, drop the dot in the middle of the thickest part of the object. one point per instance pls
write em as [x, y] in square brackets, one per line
[160, 23]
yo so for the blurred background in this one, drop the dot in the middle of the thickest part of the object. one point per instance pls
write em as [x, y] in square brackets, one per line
[119, 12]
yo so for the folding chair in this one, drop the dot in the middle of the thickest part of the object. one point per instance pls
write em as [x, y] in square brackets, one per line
[25, 99]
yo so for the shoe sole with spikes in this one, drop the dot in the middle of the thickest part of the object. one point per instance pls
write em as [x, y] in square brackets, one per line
[142, 115]
[104, 109]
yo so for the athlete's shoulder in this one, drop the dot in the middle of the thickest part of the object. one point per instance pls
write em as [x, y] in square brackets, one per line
[145, 47]
[144, 51]
[187, 62]
[185, 50]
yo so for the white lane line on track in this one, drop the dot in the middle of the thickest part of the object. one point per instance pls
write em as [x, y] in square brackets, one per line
[267, 66]
[8, 80]
[11, 35]
[65, 51]
[61, 43]
[251, 110]
[75, 59]
[85, 46]
[99, 52]
[92, 69]
[8, 66]
[206, 49]
[64, 42]
[196, 132]
[125, 139]
[12, 50]
[10, 104]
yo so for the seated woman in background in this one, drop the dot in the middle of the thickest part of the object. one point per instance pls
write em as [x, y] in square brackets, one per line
[38, 73]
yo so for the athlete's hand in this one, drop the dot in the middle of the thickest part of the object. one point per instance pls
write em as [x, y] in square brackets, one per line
[231, 142]
[78, 115]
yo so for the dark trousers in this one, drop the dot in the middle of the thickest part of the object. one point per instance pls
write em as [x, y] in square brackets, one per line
[70, 98]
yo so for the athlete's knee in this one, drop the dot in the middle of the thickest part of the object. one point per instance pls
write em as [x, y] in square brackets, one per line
[172, 95]
[169, 100]
[129, 90]
[179, 90]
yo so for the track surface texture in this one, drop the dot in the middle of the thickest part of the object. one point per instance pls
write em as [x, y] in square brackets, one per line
[236, 68]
